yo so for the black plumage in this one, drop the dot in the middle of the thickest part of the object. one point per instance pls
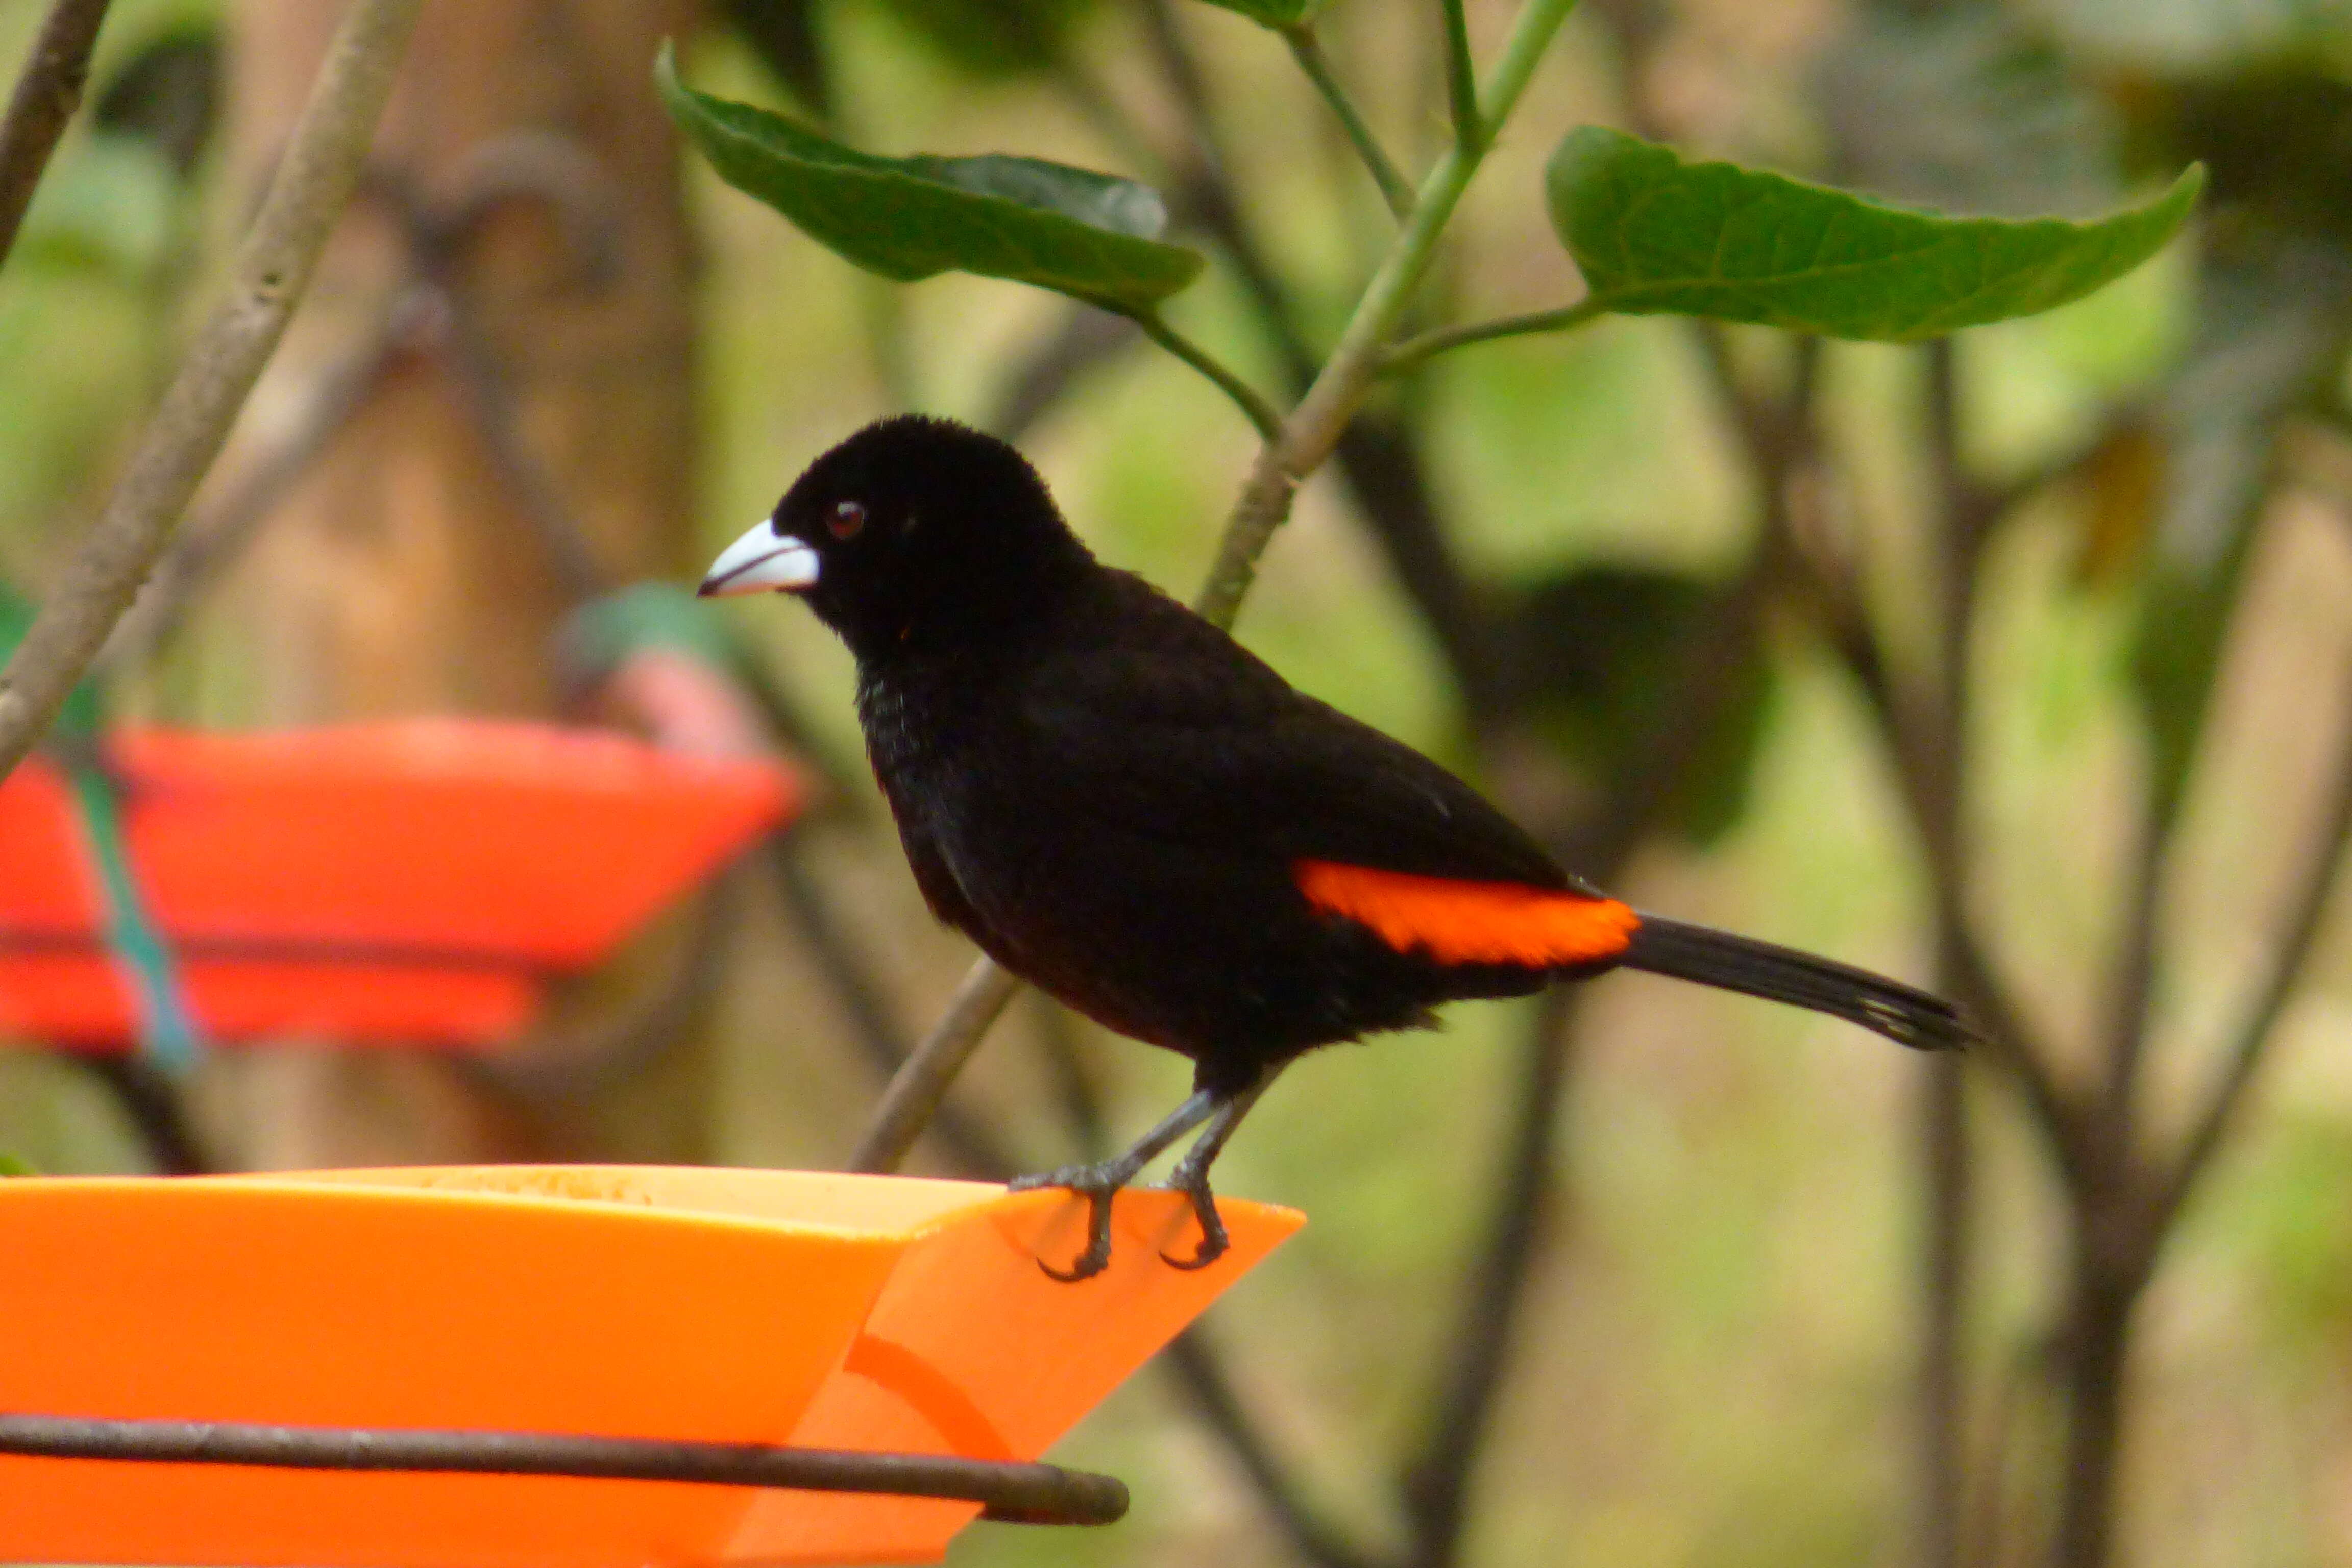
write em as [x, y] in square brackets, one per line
[1120, 803]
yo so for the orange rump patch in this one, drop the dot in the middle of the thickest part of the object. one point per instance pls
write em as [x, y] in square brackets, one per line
[1470, 922]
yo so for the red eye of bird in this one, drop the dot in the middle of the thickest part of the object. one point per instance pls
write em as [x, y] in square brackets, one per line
[848, 518]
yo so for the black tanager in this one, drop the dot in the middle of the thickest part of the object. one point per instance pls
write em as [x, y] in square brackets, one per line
[1121, 804]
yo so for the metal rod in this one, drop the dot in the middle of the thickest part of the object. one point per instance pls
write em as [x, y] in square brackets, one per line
[1012, 1491]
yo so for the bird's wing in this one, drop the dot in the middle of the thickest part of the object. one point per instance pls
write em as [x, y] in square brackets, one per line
[1173, 731]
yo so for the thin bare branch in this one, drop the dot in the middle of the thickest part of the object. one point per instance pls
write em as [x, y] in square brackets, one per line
[2010, 1040]
[209, 547]
[970, 1144]
[1436, 1480]
[1074, 1087]
[1085, 338]
[2132, 986]
[1919, 764]
[920, 1084]
[1191, 1360]
[320, 169]
[42, 105]
[152, 1100]
[2289, 956]
[1946, 1274]
[1961, 525]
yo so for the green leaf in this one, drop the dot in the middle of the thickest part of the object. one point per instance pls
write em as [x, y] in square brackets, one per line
[1276, 14]
[1090, 236]
[13, 1164]
[1655, 234]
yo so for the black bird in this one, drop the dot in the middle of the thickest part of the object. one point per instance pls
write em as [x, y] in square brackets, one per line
[1121, 804]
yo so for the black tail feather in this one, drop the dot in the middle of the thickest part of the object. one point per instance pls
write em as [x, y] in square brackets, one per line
[1902, 1014]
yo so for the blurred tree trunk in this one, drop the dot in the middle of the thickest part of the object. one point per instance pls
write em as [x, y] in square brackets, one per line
[405, 574]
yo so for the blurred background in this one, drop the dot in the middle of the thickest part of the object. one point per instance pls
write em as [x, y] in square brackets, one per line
[2017, 665]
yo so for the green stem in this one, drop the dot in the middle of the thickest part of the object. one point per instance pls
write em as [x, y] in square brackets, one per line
[1462, 80]
[1257, 409]
[1395, 189]
[1315, 427]
[1403, 357]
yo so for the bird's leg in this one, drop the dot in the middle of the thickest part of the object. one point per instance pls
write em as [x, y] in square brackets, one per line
[1101, 1181]
[1191, 1176]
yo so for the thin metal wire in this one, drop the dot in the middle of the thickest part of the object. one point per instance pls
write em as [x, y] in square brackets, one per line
[1012, 1493]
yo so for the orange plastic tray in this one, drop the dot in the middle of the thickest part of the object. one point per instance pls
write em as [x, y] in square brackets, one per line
[872, 1312]
[409, 880]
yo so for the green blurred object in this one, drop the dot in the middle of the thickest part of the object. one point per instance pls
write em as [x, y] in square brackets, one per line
[169, 94]
[1601, 650]
[994, 37]
[1278, 15]
[109, 206]
[601, 634]
[167, 1026]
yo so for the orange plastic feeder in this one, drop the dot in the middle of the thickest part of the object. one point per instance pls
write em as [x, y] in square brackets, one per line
[867, 1312]
[412, 881]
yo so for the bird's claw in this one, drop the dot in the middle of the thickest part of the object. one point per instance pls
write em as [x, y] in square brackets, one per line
[1214, 1242]
[1099, 1184]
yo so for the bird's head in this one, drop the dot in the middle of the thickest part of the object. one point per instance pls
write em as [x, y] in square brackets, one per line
[914, 531]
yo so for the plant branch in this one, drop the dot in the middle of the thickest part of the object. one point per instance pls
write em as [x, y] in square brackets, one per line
[202, 552]
[920, 1086]
[1962, 519]
[1261, 414]
[2131, 989]
[152, 1101]
[2288, 958]
[1470, 127]
[1085, 338]
[1376, 453]
[2010, 1040]
[1436, 1480]
[321, 168]
[1404, 356]
[43, 103]
[1191, 1359]
[1314, 427]
[1395, 189]
[970, 1144]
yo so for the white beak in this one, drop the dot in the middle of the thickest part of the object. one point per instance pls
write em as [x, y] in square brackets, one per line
[760, 563]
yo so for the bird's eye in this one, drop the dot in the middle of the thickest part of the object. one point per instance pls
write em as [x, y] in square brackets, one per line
[848, 518]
